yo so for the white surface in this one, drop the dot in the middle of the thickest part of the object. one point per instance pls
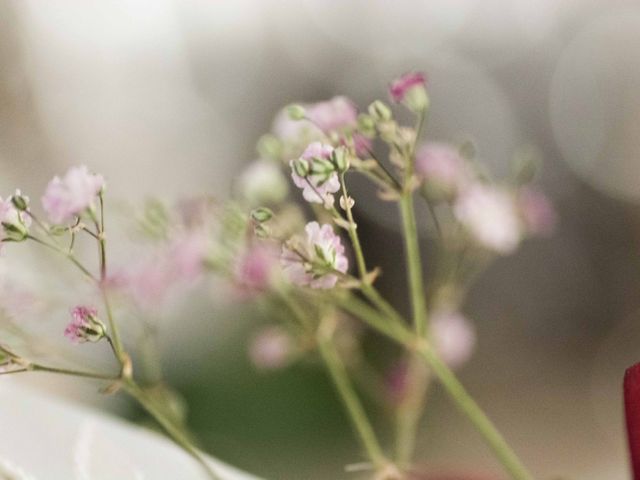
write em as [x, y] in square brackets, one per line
[43, 438]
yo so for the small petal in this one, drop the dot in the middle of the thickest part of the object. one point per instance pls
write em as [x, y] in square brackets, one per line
[70, 196]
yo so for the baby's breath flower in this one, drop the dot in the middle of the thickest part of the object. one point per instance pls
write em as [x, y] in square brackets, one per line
[263, 182]
[256, 268]
[68, 197]
[317, 261]
[332, 115]
[271, 348]
[321, 181]
[491, 217]
[453, 336]
[410, 90]
[443, 170]
[537, 212]
[85, 325]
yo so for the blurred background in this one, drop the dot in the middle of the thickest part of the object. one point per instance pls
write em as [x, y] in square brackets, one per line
[168, 98]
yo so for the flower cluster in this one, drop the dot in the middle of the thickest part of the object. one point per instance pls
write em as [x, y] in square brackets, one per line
[263, 244]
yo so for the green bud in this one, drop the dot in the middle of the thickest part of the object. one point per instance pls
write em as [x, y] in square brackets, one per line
[296, 111]
[16, 232]
[301, 167]
[261, 214]
[340, 159]
[58, 230]
[416, 99]
[20, 202]
[366, 125]
[262, 231]
[322, 166]
[269, 147]
[379, 111]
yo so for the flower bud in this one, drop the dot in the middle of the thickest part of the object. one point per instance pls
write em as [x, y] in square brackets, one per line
[301, 167]
[85, 326]
[416, 99]
[379, 111]
[269, 147]
[16, 232]
[20, 201]
[340, 159]
[296, 112]
[366, 125]
[261, 214]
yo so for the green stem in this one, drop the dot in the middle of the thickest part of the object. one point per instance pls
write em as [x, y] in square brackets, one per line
[414, 263]
[63, 371]
[393, 329]
[353, 235]
[349, 397]
[397, 331]
[174, 432]
[70, 256]
[410, 410]
[470, 408]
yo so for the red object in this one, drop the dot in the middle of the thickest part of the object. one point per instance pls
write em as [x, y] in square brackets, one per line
[632, 412]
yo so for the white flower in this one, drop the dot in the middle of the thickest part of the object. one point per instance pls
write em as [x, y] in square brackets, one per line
[453, 336]
[317, 260]
[322, 181]
[262, 182]
[491, 217]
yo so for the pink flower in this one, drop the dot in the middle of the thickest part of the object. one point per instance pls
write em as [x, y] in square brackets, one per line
[84, 325]
[397, 381]
[453, 336]
[361, 144]
[317, 187]
[331, 115]
[186, 255]
[256, 268]
[150, 282]
[491, 217]
[316, 261]
[401, 86]
[70, 196]
[537, 211]
[442, 168]
[271, 348]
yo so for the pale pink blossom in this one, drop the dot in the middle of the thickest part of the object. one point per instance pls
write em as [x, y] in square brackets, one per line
[271, 348]
[538, 214]
[442, 168]
[453, 336]
[71, 195]
[362, 145]
[491, 217]
[84, 325]
[256, 268]
[186, 255]
[289, 130]
[316, 262]
[151, 281]
[317, 187]
[331, 115]
[397, 381]
[400, 87]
